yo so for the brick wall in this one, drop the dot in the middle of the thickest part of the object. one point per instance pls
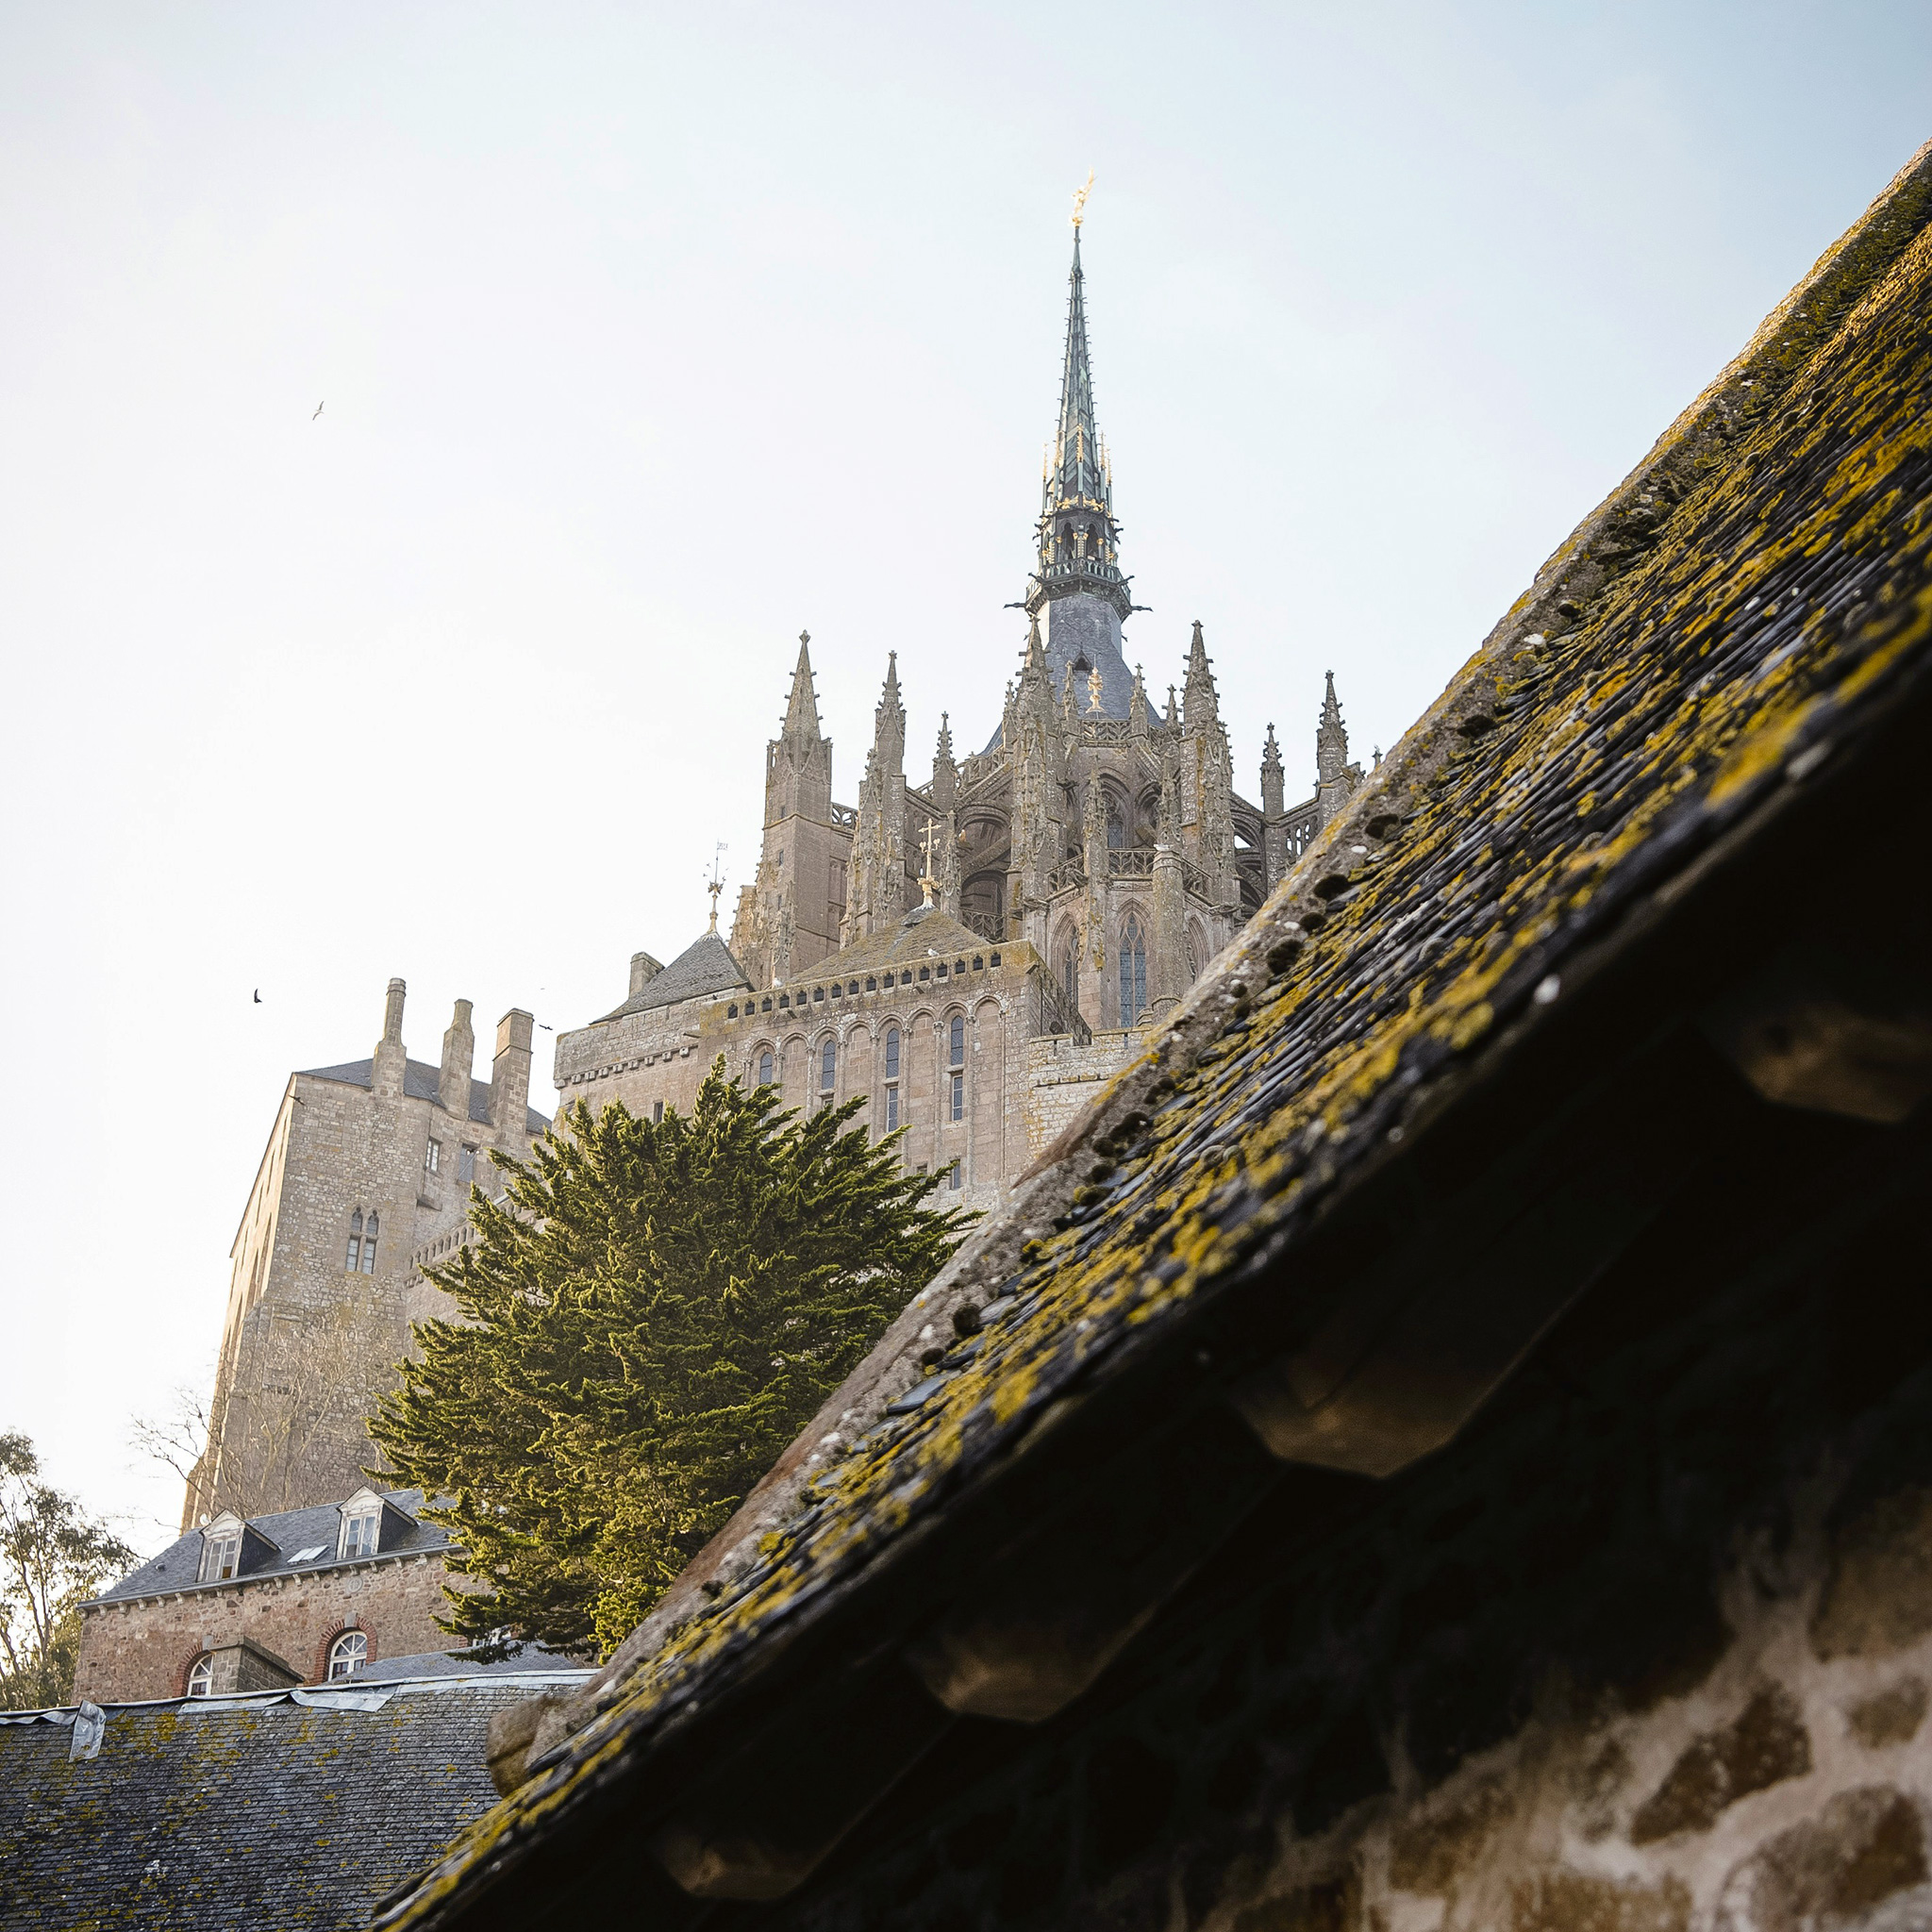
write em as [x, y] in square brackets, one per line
[133, 1651]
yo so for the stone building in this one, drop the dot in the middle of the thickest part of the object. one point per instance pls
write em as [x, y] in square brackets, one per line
[975, 955]
[365, 1178]
[306, 1596]
[1447, 1443]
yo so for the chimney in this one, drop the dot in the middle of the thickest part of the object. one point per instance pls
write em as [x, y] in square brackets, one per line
[643, 969]
[510, 1074]
[386, 1075]
[459, 1055]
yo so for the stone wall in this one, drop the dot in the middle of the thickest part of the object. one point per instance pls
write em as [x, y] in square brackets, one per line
[1062, 1077]
[140, 1649]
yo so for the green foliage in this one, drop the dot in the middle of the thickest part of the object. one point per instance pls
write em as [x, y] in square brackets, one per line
[52, 1558]
[646, 1321]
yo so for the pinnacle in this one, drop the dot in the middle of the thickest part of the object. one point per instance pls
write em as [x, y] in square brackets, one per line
[801, 711]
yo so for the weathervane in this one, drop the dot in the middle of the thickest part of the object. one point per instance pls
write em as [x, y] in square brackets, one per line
[715, 884]
[1080, 194]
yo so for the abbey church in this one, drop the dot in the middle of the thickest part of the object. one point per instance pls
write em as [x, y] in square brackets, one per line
[973, 957]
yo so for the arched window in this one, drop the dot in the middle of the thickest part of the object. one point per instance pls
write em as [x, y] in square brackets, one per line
[1070, 974]
[201, 1680]
[355, 1261]
[828, 1069]
[369, 1230]
[1116, 823]
[956, 1055]
[1133, 970]
[765, 1068]
[347, 1654]
[891, 1079]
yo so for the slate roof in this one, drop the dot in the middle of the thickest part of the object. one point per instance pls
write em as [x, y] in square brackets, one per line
[275, 1809]
[421, 1081]
[704, 967]
[525, 1659]
[924, 936]
[1701, 663]
[291, 1532]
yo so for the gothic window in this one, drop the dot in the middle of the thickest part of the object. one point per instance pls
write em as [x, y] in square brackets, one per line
[1116, 824]
[355, 1261]
[347, 1654]
[956, 1041]
[828, 1069]
[221, 1556]
[1070, 974]
[201, 1680]
[432, 1157]
[1133, 970]
[765, 1068]
[891, 1079]
[369, 1232]
[891, 1053]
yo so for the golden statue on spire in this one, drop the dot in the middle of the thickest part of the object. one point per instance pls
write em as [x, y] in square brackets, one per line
[1080, 194]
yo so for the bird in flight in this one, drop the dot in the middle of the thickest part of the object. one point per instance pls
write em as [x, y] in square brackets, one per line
[318, 411]
[258, 995]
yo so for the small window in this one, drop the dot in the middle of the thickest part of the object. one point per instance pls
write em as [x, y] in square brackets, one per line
[355, 1261]
[939, 969]
[828, 1068]
[360, 1533]
[432, 1157]
[925, 972]
[958, 1096]
[818, 993]
[1070, 974]
[656, 1114]
[767, 1003]
[784, 999]
[891, 1053]
[953, 1180]
[347, 1654]
[731, 1011]
[765, 1068]
[838, 992]
[959, 965]
[466, 1164]
[872, 985]
[978, 962]
[221, 1556]
[993, 959]
[892, 1108]
[201, 1680]
[368, 1229]
[957, 1040]
[852, 985]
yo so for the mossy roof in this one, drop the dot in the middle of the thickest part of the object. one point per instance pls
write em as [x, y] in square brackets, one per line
[255, 1810]
[1701, 643]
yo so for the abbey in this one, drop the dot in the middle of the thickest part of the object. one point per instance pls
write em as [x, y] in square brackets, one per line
[976, 955]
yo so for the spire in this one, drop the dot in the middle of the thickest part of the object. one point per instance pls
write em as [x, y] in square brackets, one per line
[889, 722]
[1078, 540]
[1203, 704]
[802, 712]
[1331, 738]
[945, 773]
[1139, 712]
[1274, 791]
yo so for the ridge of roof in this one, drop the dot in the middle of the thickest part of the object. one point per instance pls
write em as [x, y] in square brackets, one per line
[1743, 608]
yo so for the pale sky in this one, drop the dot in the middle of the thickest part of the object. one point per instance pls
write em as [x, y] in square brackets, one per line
[650, 335]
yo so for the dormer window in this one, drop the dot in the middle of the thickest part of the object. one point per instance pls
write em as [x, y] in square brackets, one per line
[221, 1550]
[361, 1531]
[201, 1680]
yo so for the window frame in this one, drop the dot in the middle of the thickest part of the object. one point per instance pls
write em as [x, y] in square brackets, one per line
[351, 1645]
[201, 1677]
[353, 1521]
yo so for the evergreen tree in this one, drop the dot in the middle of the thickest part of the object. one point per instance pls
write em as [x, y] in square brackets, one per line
[645, 1321]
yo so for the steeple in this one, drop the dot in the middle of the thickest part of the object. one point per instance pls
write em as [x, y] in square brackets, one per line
[1335, 777]
[1203, 702]
[945, 788]
[1274, 790]
[1077, 579]
[802, 710]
